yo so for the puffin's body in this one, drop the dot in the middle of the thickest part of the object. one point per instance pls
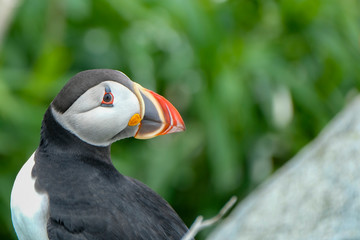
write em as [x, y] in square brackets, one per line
[69, 188]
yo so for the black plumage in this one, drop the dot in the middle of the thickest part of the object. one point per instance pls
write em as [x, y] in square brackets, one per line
[89, 199]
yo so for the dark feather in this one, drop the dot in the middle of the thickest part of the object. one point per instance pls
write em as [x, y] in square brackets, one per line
[89, 199]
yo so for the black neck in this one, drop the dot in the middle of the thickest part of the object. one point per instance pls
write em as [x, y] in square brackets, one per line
[56, 139]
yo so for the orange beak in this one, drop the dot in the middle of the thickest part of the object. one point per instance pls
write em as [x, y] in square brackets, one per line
[158, 115]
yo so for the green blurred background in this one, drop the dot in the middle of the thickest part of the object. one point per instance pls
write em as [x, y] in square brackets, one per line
[254, 81]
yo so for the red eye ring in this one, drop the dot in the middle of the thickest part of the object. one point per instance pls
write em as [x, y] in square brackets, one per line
[108, 99]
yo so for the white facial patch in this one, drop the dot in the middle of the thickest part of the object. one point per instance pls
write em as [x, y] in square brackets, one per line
[96, 124]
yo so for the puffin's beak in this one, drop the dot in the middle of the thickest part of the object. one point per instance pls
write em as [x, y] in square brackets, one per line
[158, 115]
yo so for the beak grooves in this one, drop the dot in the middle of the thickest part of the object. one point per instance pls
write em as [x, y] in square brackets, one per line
[158, 115]
[172, 118]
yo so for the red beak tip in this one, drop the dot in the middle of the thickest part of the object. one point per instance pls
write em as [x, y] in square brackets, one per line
[179, 125]
[169, 119]
[180, 128]
[174, 129]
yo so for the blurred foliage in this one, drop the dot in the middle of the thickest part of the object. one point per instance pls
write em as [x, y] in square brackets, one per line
[255, 80]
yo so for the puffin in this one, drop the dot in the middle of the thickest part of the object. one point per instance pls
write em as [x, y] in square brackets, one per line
[70, 190]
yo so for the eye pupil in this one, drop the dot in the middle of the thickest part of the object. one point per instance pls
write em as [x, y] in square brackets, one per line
[107, 97]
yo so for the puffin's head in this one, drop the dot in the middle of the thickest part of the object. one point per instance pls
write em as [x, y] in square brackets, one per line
[102, 106]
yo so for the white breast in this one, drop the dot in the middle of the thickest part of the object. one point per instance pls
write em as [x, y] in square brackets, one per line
[29, 209]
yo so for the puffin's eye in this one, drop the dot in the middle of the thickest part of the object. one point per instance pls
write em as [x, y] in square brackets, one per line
[108, 98]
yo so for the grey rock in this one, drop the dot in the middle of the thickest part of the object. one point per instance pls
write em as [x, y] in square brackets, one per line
[315, 196]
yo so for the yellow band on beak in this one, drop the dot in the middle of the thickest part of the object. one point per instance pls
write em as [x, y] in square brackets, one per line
[134, 120]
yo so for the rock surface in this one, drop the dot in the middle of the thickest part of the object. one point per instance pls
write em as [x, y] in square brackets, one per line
[315, 196]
